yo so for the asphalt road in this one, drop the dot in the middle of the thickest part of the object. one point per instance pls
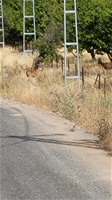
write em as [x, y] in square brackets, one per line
[44, 158]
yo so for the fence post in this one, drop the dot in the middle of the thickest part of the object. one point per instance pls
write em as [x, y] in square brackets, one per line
[52, 63]
[104, 86]
[62, 64]
[96, 79]
[99, 80]
[56, 61]
[83, 75]
[68, 67]
[75, 68]
[99, 83]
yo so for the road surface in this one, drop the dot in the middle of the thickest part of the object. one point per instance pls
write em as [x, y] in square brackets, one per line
[45, 157]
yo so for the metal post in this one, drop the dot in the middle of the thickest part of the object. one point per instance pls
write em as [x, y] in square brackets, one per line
[71, 43]
[26, 33]
[65, 56]
[1, 24]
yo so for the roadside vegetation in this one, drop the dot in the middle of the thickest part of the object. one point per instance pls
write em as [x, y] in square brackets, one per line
[87, 108]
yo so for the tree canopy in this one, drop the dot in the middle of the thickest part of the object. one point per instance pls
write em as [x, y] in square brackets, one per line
[94, 25]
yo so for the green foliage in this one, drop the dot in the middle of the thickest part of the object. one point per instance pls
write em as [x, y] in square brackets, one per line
[48, 43]
[13, 16]
[94, 25]
[49, 26]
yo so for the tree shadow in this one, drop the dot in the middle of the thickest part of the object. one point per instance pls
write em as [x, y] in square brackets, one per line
[87, 143]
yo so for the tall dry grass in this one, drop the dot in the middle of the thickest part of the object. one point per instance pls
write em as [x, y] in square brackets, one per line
[88, 108]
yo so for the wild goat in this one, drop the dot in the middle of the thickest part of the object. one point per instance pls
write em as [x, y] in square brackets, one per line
[33, 72]
[107, 65]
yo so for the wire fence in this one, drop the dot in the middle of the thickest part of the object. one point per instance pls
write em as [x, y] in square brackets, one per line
[102, 82]
[97, 80]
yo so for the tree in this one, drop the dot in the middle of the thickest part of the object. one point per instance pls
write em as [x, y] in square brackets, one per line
[49, 25]
[95, 26]
[13, 17]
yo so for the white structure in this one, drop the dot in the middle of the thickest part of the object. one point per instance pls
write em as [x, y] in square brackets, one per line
[1, 25]
[69, 43]
[28, 4]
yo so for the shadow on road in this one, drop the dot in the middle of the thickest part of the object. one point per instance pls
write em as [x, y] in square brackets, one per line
[87, 143]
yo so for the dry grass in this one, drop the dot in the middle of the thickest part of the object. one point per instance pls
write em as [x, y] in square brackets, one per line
[87, 108]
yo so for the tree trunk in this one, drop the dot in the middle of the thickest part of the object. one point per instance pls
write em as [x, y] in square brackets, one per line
[92, 54]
